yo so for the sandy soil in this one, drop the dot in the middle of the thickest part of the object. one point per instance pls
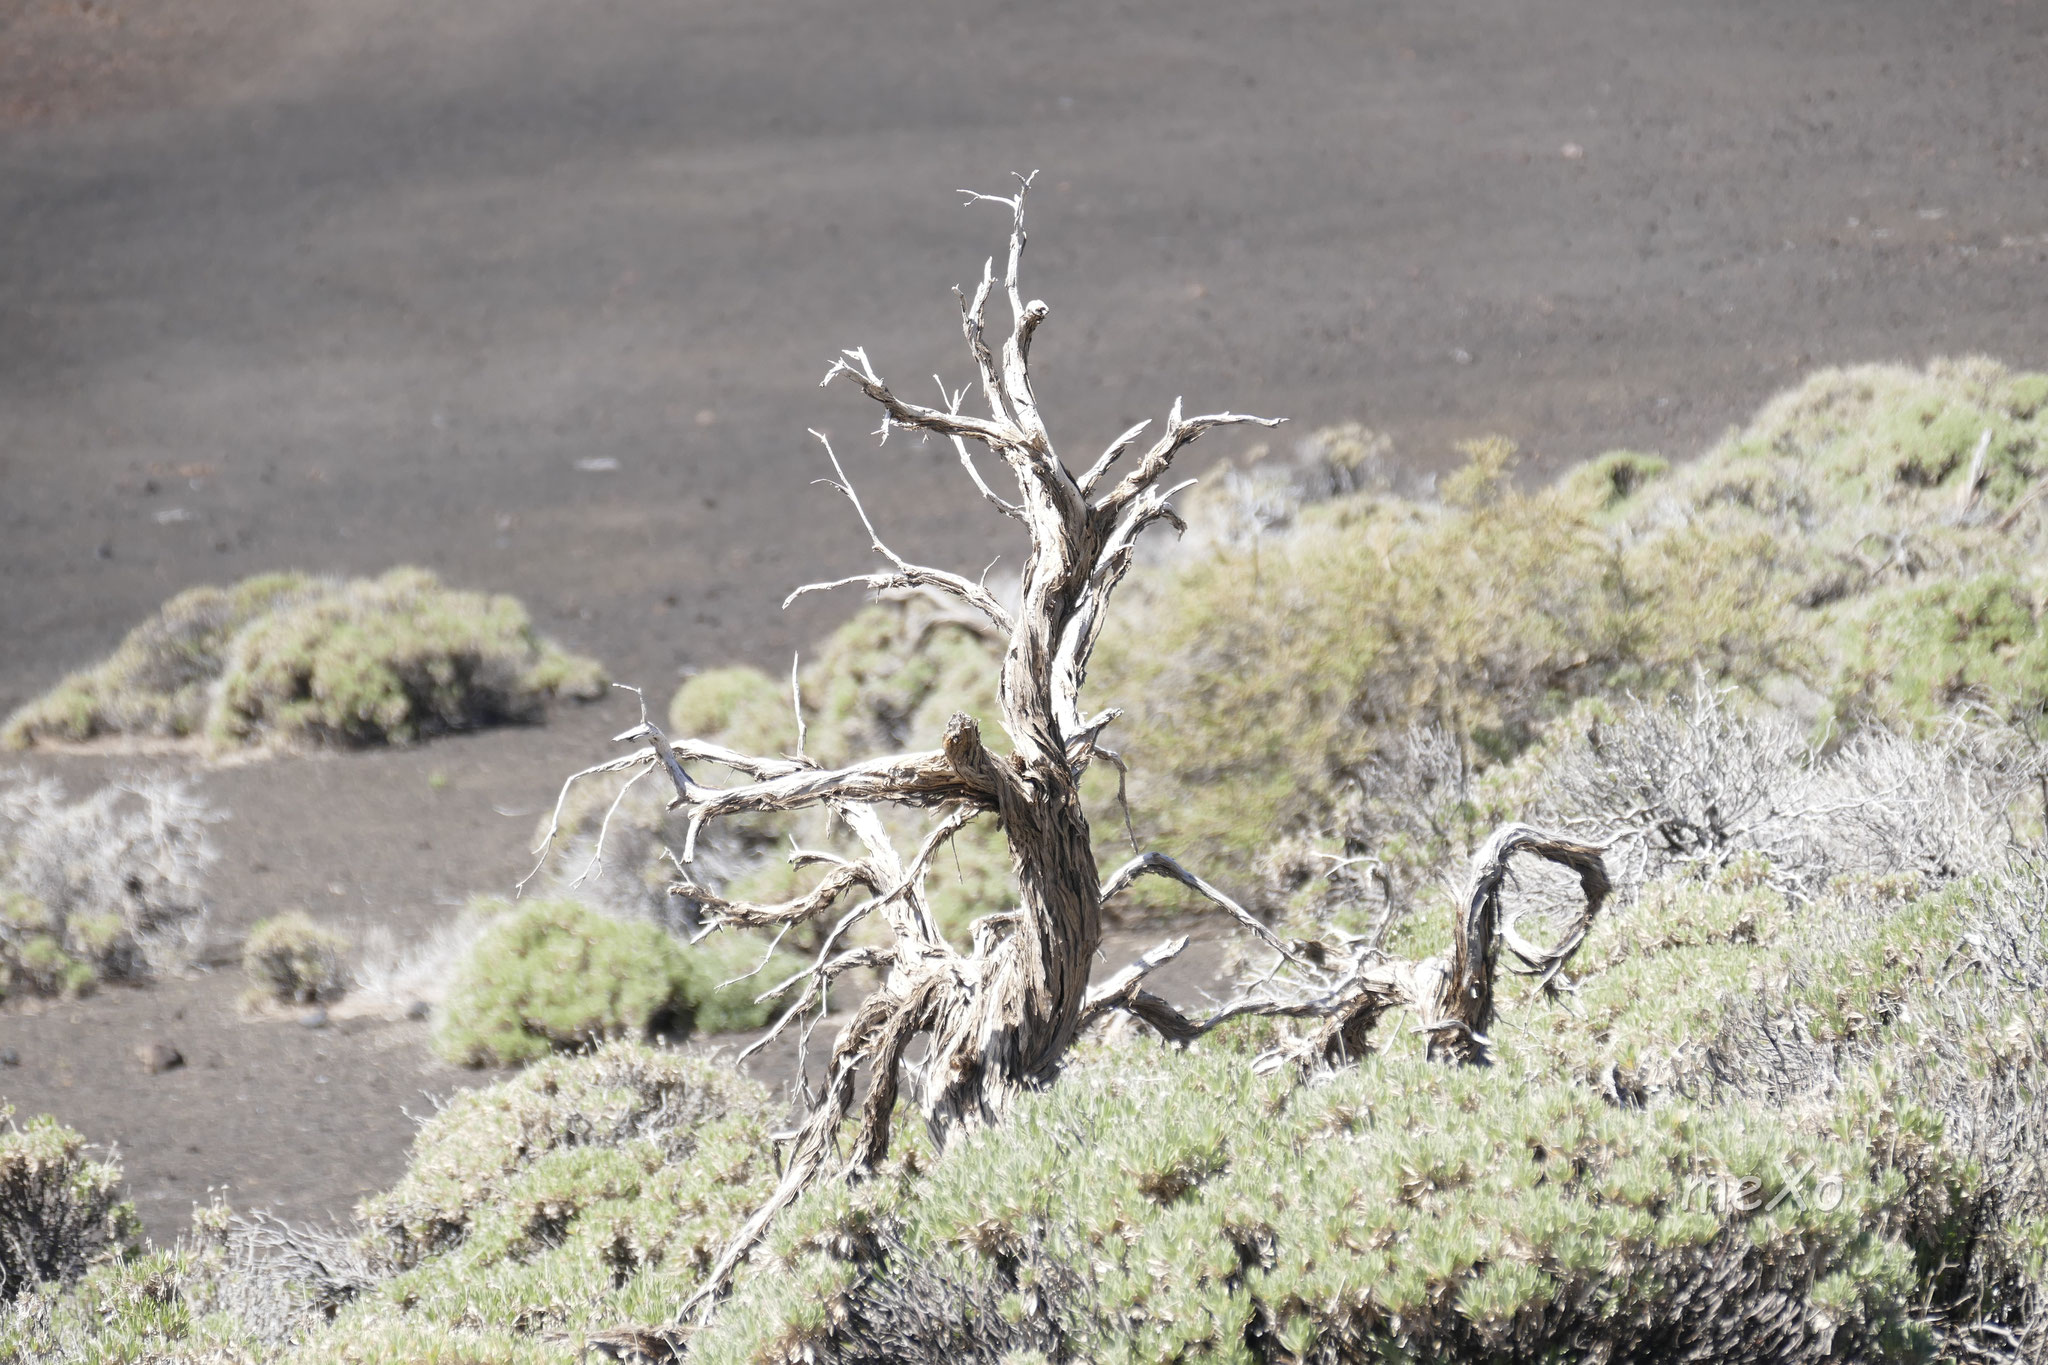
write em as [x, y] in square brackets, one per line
[340, 286]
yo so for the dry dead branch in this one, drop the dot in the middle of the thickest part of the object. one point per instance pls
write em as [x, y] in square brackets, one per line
[1450, 995]
[1001, 1016]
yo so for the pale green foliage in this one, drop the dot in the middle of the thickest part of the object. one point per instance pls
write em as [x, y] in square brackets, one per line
[557, 974]
[1193, 1209]
[290, 957]
[1849, 492]
[585, 1193]
[1165, 1206]
[1612, 479]
[389, 660]
[1264, 680]
[1823, 555]
[1876, 1041]
[1825, 955]
[1918, 651]
[739, 706]
[886, 681]
[292, 658]
[128, 1311]
[890, 678]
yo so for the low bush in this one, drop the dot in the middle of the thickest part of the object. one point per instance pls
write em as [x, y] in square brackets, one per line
[106, 888]
[60, 1211]
[291, 958]
[289, 658]
[158, 681]
[389, 660]
[1160, 1206]
[559, 975]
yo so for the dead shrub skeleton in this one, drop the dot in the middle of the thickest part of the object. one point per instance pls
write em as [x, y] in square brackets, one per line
[1001, 1016]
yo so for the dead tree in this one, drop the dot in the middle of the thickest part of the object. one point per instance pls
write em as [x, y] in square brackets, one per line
[999, 1018]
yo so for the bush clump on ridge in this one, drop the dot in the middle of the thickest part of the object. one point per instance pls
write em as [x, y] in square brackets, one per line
[288, 658]
[1868, 551]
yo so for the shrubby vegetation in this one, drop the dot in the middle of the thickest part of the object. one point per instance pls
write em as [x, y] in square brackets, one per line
[292, 959]
[60, 1211]
[292, 659]
[583, 1193]
[1854, 1027]
[1789, 1107]
[556, 974]
[1823, 975]
[1835, 557]
[106, 888]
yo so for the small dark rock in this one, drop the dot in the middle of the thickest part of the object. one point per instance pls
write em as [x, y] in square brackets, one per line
[418, 1009]
[315, 1017]
[159, 1057]
[9, 1057]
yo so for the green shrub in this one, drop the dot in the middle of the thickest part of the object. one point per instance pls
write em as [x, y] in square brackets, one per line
[389, 660]
[1610, 480]
[1821, 957]
[1821, 556]
[1580, 1197]
[60, 1212]
[292, 658]
[1486, 617]
[1920, 651]
[740, 707]
[580, 1194]
[1160, 1206]
[557, 974]
[886, 681]
[289, 957]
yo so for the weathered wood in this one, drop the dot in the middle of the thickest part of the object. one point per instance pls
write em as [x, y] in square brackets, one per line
[999, 1018]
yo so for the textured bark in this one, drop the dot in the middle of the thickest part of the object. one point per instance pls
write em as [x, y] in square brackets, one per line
[1000, 1017]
